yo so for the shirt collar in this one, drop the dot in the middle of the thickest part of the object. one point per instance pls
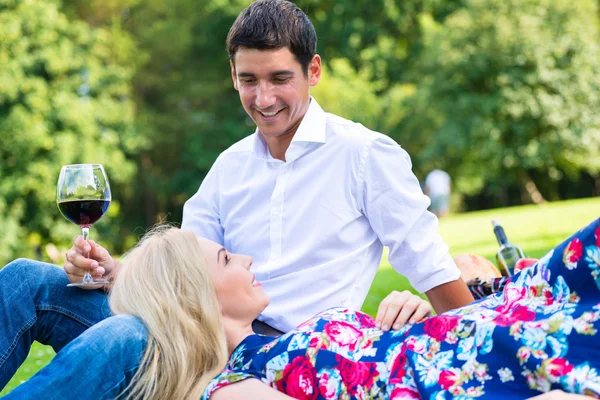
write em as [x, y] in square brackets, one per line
[312, 129]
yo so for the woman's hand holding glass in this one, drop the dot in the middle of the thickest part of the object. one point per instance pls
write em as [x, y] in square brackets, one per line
[83, 196]
[88, 257]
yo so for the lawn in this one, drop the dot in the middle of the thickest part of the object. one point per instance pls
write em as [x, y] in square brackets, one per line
[536, 229]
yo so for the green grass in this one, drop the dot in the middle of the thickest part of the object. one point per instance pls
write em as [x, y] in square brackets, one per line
[39, 356]
[536, 229]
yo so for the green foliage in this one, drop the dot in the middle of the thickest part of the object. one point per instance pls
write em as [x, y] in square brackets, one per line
[498, 93]
[63, 100]
[512, 86]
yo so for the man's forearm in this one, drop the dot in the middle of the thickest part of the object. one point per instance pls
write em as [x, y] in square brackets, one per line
[449, 296]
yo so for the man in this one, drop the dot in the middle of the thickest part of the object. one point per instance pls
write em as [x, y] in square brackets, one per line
[313, 198]
[437, 187]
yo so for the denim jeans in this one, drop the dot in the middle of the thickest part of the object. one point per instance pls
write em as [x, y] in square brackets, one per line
[97, 355]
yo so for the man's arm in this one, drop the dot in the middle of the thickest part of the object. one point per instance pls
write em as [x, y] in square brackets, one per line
[249, 388]
[392, 200]
[201, 213]
[449, 296]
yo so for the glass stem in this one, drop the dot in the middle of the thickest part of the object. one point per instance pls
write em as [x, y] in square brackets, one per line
[87, 278]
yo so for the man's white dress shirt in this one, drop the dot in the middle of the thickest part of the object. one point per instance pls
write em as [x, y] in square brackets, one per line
[316, 224]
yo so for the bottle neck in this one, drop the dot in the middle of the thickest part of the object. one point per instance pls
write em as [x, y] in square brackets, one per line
[500, 235]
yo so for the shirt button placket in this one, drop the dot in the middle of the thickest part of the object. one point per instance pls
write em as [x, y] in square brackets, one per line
[277, 199]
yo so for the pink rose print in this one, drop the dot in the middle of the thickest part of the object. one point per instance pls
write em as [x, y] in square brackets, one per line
[439, 326]
[316, 343]
[357, 374]
[398, 370]
[344, 334]
[549, 297]
[329, 386]
[558, 367]
[299, 379]
[573, 253]
[512, 294]
[448, 379]
[415, 345]
[364, 320]
[522, 313]
[597, 236]
[401, 393]
[518, 313]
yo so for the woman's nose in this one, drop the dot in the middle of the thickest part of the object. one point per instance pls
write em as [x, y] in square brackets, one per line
[248, 262]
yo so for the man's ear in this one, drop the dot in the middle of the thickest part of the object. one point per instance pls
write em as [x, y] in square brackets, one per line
[314, 70]
[233, 77]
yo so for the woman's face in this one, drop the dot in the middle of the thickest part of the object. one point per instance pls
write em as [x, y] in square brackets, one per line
[240, 295]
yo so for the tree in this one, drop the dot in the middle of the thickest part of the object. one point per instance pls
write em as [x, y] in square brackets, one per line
[508, 90]
[65, 97]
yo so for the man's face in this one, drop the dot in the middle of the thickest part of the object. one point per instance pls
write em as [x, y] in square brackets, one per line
[273, 89]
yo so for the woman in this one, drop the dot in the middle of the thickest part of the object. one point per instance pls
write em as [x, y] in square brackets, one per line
[197, 303]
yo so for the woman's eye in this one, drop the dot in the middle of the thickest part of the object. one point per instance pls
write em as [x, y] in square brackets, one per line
[227, 258]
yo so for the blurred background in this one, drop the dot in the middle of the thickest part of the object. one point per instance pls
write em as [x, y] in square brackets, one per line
[501, 94]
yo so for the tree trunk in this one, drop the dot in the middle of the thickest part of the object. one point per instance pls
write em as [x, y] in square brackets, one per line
[531, 188]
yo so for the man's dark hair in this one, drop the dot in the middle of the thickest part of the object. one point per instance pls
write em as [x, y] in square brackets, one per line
[274, 24]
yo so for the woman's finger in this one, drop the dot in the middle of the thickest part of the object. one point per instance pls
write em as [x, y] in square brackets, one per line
[423, 311]
[408, 309]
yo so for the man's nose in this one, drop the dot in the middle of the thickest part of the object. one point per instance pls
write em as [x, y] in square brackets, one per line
[265, 97]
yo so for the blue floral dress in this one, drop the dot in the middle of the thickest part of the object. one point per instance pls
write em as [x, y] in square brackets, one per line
[539, 334]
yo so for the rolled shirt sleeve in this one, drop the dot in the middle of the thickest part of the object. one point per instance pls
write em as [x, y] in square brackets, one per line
[396, 208]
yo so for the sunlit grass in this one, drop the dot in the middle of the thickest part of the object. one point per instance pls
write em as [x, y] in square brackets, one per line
[536, 229]
[39, 356]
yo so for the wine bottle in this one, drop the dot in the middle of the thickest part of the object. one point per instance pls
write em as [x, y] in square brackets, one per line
[508, 254]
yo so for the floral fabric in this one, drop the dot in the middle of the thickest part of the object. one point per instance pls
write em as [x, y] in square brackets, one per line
[539, 334]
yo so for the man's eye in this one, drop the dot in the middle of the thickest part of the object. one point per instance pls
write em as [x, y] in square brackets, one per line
[281, 80]
[248, 81]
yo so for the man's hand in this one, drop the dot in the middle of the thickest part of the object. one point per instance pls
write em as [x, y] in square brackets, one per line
[98, 264]
[398, 308]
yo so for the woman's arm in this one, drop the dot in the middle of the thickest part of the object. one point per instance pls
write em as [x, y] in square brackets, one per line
[248, 388]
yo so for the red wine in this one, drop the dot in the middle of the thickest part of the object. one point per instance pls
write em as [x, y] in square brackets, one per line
[83, 212]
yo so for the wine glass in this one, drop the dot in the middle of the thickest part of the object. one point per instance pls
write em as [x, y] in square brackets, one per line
[83, 196]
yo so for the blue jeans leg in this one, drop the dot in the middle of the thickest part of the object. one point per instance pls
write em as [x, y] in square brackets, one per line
[36, 304]
[99, 364]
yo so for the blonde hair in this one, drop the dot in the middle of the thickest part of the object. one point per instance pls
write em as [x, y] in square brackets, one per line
[164, 282]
